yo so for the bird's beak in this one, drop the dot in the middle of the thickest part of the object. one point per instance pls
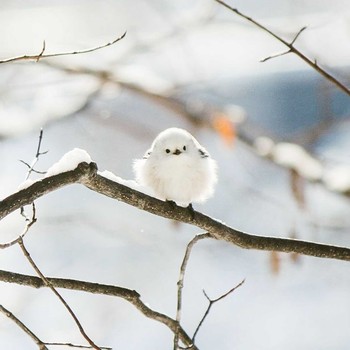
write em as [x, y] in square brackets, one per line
[177, 152]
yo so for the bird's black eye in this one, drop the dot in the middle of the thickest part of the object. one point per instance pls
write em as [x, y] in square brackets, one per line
[167, 150]
[184, 148]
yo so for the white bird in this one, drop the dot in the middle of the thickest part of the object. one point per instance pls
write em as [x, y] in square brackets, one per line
[177, 168]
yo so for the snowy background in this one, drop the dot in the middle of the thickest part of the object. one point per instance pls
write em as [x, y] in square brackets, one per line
[199, 53]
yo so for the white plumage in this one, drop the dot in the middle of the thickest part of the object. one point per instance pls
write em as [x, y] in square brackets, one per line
[177, 168]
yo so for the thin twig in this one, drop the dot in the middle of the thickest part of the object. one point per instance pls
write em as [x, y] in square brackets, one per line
[36, 158]
[211, 303]
[31, 169]
[180, 283]
[30, 223]
[42, 51]
[49, 285]
[291, 47]
[284, 52]
[275, 55]
[21, 325]
[41, 55]
[42, 345]
[71, 345]
[297, 35]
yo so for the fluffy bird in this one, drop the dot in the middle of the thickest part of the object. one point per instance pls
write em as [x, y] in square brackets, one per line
[177, 168]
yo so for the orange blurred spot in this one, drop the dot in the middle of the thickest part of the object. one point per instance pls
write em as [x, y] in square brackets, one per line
[275, 262]
[226, 129]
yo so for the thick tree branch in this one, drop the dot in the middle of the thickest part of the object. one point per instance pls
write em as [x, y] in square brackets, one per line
[40, 188]
[127, 294]
[86, 174]
[291, 47]
[42, 55]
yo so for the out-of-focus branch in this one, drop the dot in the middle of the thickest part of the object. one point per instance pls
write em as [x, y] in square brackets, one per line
[205, 115]
[95, 288]
[291, 48]
[87, 175]
[69, 53]
[21, 325]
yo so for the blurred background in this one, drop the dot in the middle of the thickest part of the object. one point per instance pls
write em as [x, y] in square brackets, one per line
[278, 130]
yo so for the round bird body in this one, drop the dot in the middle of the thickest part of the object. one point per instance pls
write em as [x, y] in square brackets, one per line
[177, 168]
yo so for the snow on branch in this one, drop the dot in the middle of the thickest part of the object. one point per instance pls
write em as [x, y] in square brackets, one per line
[87, 175]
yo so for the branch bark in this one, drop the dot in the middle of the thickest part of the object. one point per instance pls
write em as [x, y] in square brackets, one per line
[95, 288]
[87, 175]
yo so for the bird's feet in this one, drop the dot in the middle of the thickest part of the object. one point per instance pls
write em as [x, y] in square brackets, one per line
[191, 210]
[172, 204]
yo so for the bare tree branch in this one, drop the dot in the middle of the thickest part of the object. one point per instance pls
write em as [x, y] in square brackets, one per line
[41, 344]
[86, 174]
[42, 51]
[95, 288]
[180, 283]
[42, 55]
[211, 303]
[312, 64]
[71, 345]
[49, 285]
[285, 52]
[297, 35]
[20, 324]
[29, 224]
[279, 54]
[36, 158]
[31, 169]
